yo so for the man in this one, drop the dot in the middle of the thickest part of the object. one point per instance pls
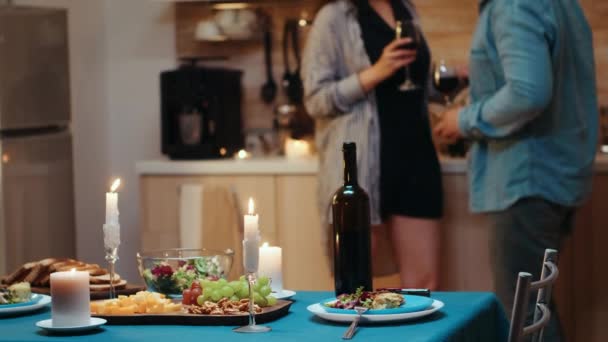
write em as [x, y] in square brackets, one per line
[533, 119]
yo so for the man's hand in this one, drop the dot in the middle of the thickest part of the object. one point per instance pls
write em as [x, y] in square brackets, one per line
[447, 129]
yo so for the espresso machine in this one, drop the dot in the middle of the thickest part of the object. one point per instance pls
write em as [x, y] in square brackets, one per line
[201, 111]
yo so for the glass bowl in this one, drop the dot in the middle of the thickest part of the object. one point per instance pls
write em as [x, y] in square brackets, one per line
[170, 271]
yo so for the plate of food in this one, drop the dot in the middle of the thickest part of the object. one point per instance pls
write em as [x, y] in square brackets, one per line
[18, 298]
[206, 303]
[38, 275]
[382, 306]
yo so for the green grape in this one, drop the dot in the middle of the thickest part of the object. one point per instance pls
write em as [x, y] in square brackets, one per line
[236, 285]
[204, 283]
[242, 278]
[257, 286]
[271, 300]
[245, 284]
[243, 292]
[200, 300]
[227, 291]
[222, 282]
[211, 285]
[257, 298]
[263, 281]
[216, 295]
[206, 294]
[265, 290]
[234, 298]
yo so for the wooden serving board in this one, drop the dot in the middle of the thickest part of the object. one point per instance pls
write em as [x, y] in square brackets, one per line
[268, 314]
[129, 289]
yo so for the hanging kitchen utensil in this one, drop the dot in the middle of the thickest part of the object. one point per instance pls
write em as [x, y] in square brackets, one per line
[297, 91]
[269, 89]
[291, 82]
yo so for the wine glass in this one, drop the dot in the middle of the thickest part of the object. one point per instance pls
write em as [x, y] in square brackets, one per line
[445, 79]
[408, 29]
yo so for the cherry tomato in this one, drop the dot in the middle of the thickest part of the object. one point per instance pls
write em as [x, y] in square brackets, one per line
[186, 297]
[194, 293]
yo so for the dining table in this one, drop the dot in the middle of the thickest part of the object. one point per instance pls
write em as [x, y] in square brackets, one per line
[465, 316]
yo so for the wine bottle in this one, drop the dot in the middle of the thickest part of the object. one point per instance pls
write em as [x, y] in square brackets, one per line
[351, 228]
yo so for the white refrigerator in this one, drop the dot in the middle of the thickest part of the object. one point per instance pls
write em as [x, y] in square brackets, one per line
[36, 172]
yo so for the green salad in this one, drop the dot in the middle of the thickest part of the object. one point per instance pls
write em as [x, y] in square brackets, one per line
[172, 278]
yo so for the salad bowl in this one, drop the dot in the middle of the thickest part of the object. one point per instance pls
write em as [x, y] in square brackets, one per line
[170, 271]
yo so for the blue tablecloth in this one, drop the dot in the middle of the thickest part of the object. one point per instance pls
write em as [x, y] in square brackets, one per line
[466, 316]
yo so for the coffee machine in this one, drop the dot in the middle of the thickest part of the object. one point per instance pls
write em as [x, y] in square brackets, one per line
[201, 111]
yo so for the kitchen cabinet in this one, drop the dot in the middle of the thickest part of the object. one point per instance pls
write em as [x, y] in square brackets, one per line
[224, 201]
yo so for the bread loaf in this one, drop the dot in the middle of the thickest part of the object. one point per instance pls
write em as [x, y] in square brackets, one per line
[38, 273]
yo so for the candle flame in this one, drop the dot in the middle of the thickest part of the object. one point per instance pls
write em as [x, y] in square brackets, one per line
[115, 185]
[251, 207]
[73, 270]
[265, 245]
[242, 154]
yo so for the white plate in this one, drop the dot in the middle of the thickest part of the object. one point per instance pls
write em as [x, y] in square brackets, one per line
[285, 294]
[44, 301]
[47, 324]
[318, 310]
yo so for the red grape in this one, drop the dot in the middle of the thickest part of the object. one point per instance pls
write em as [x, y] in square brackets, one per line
[194, 293]
[186, 297]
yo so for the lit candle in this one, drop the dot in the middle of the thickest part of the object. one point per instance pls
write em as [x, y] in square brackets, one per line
[111, 230]
[251, 240]
[242, 154]
[112, 203]
[251, 222]
[70, 305]
[297, 148]
[270, 266]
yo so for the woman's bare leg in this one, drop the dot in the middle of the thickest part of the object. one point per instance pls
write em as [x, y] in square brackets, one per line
[376, 237]
[416, 243]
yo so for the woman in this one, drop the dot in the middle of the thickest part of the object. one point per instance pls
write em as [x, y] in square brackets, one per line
[352, 70]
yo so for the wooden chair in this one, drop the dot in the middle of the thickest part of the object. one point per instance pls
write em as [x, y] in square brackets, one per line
[542, 313]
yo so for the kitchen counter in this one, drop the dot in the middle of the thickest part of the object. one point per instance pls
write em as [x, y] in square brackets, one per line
[278, 165]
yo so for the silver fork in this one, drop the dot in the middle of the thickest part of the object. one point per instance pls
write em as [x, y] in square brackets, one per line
[353, 326]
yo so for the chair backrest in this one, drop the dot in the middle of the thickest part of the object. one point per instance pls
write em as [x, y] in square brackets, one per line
[542, 313]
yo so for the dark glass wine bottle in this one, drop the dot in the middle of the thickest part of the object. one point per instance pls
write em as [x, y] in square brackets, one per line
[351, 228]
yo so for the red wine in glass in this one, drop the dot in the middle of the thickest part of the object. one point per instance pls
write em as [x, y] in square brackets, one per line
[445, 81]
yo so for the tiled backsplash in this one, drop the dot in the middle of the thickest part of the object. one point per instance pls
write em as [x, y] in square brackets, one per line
[447, 24]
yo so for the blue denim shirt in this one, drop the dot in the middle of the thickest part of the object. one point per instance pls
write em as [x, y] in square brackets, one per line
[533, 113]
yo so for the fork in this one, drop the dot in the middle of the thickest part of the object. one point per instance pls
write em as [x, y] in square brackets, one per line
[353, 326]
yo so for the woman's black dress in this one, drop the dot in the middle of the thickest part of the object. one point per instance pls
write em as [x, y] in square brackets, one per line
[410, 176]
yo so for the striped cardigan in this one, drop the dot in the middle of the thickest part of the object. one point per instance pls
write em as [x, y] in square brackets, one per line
[334, 55]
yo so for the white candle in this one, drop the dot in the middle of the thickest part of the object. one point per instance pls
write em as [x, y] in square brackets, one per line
[270, 266]
[112, 204]
[70, 305]
[251, 240]
[251, 223]
[297, 148]
[111, 229]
